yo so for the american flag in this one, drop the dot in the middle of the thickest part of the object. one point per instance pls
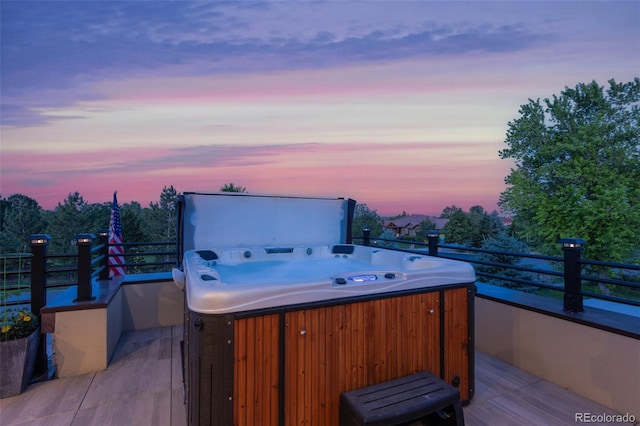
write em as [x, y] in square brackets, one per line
[116, 260]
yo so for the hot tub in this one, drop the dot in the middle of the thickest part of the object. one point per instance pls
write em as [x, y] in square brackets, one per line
[283, 313]
[242, 279]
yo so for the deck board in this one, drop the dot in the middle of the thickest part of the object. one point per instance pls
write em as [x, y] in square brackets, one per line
[143, 386]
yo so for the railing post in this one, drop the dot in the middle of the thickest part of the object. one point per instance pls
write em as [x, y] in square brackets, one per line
[433, 237]
[103, 238]
[366, 235]
[83, 241]
[39, 243]
[572, 248]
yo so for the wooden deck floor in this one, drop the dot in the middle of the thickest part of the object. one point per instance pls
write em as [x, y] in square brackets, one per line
[143, 386]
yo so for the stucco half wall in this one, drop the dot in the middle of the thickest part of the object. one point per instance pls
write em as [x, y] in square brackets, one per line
[597, 364]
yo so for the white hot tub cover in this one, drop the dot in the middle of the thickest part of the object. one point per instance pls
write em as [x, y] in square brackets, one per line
[228, 219]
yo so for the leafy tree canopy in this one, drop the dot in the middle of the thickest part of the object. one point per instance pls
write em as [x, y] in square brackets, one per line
[426, 226]
[459, 229]
[449, 211]
[20, 216]
[364, 216]
[577, 168]
[470, 228]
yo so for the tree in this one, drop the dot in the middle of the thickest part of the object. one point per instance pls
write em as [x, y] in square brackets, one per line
[425, 226]
[20, 217]
[448, 211]
[73, 216]
[485, 225]
[577, 168]
[502, 243]
[230, 187]
[364, 216]
[160, 222]
[470, 228]
[160, 218]
[459, 229]
[131, 218]
[387, 234]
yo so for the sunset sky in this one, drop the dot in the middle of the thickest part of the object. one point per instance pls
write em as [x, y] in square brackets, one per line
[402, 105]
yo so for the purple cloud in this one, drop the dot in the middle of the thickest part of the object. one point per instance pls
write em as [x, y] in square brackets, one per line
[67, 45]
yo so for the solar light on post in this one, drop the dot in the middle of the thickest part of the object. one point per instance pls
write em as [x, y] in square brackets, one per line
[38, 244]
[366, 235]
[433, 238]
[572, 248]
[84, 241]
[103, 238]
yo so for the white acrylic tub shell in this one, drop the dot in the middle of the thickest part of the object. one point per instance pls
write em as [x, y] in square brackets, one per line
[242, 279]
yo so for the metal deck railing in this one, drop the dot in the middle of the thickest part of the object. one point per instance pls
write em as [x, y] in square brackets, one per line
[30, 279]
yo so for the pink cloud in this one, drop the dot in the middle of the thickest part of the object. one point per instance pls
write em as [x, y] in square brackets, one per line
[414, 177]
[434, 77]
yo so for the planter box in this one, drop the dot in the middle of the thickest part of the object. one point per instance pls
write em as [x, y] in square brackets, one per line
[17, 361]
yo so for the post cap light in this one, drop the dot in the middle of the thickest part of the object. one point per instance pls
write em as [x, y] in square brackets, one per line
[433, 233]
[39, 239]
[572, 242]
[84, 238]
[103, 233]
[366, 228]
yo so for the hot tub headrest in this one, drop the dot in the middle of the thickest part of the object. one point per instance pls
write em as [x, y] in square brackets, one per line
[343, 249]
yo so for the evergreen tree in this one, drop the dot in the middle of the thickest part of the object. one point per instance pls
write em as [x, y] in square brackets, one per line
[131, 218]
[484, 225]
[230, 187]
[502, 242]
[387, 234]
[73, 216]
[160, 218]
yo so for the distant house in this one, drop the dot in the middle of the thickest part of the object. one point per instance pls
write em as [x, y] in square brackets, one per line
[409, 226]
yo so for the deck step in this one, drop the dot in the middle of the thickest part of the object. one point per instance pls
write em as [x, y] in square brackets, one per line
[420, 396]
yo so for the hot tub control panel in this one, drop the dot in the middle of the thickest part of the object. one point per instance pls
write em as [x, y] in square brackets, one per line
[363, 278]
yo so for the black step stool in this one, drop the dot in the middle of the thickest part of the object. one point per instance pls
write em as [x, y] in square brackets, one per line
[421, 396]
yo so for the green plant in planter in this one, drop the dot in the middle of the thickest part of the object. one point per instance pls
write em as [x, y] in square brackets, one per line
[19, 333]
[16, 324]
